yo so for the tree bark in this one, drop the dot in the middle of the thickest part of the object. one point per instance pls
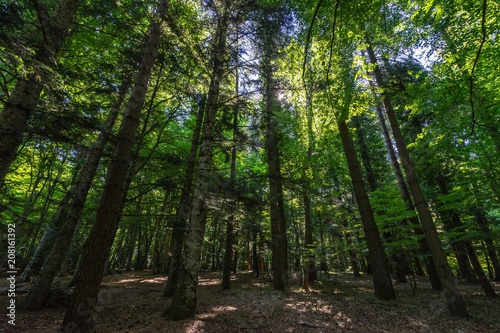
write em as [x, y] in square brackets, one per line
[81, 309]
[454, 301]
[377, 258]
[183, 304]
[310, 273]
[25, 94]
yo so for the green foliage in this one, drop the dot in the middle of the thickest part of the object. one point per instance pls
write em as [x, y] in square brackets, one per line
[440, 68]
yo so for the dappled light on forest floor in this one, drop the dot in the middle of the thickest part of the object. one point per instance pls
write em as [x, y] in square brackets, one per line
[141, 280]
[133, 303]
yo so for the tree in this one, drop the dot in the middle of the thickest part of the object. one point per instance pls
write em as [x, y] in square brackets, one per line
[104, 229]
[454, 300]
[24, 96]
[182, 213]
[405, 194]
[70, 213]
[269, 26]
[230, 232]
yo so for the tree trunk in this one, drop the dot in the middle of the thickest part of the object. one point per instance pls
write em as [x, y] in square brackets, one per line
[37, 297]
[255, 254]
[310, 273]
[278, 223]
[25, 94]
[454, 300]
[185, 295]
[352, 255]
[230, 237]
[398, 257]
[183, 210]
[377, 258]
[104, 229]
[365, 157]
[405, 194]
[483, 280]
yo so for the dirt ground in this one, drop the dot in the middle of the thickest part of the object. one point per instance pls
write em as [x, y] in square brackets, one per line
[132, 303]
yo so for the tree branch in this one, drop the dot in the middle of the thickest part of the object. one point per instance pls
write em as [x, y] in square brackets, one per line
[308, 39]
[471, 77]
[331, 42]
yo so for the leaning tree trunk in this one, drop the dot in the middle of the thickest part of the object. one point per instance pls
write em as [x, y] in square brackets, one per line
[25, 94]
[377, 258]
[38, 295]
[405, 194]
[454, 301]
[398, 257]
[185, 295]
[478, 269]
[81, 309]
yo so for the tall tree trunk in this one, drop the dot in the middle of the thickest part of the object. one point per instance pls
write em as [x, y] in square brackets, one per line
[104, 229]
[25, 94]
[377, 258]
[310, 273]
[184, 207]
[38, 295]
[454, 301]
[185, 295]
[278, 222]
[255, 253]
[405, 194]
[230, 237]
[365, 157]
[398, 257]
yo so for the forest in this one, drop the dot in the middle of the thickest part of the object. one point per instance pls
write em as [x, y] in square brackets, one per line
[249, 166]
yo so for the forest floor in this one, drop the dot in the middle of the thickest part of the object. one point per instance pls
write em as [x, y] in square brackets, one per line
[132, 303]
